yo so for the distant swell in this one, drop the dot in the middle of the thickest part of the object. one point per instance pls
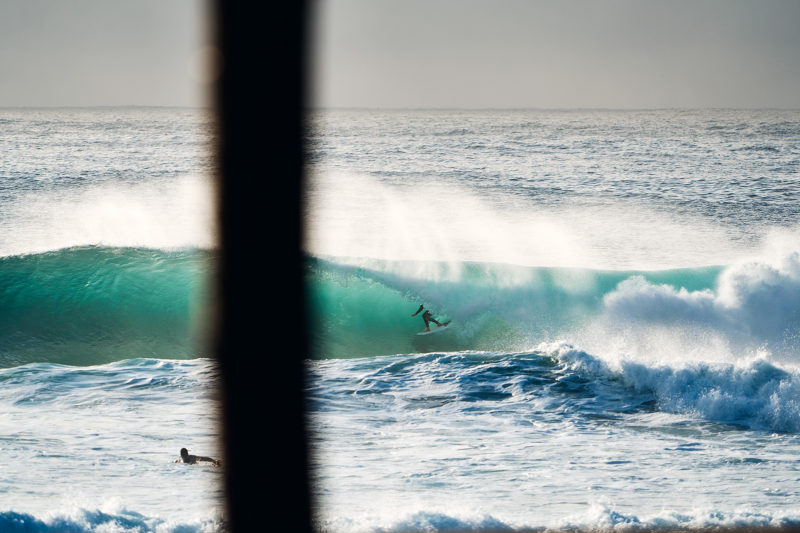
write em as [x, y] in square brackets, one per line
[94, 305]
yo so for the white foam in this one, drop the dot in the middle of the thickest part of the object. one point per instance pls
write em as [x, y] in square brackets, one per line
[755, 306]
[754, 392]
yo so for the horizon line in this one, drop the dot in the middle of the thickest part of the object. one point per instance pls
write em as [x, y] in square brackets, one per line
[415, 108]
[559, 108]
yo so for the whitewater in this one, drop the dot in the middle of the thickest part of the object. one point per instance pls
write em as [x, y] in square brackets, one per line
[107, 257]
[624, 296]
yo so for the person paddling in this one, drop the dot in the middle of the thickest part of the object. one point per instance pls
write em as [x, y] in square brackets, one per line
[193, 459]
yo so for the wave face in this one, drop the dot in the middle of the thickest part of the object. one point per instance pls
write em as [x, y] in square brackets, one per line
[93, 305]
[709, 313]
[361, 310]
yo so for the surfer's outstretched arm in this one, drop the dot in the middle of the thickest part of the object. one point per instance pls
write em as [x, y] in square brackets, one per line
[418, 310]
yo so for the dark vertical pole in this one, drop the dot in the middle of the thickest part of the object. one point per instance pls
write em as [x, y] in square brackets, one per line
[261, 328]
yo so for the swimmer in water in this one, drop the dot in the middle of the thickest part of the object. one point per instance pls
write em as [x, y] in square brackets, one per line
[193, 459]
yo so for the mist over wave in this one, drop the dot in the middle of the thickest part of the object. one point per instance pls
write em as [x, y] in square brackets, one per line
[169, 214]
[107, 235]
[357, 215]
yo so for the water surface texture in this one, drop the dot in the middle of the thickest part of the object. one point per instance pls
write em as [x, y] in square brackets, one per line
[106, 260]
[624, 296]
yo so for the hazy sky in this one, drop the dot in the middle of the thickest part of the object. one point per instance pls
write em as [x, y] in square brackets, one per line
[423, 53]
[556, 53]
[101, 52]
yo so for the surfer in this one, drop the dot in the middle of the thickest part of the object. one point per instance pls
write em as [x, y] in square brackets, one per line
[427, 317]
[192, 459]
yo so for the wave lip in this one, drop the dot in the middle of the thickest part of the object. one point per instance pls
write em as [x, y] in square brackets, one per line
[93, 305]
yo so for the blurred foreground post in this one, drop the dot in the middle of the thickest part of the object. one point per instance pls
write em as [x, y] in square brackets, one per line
[261, 328]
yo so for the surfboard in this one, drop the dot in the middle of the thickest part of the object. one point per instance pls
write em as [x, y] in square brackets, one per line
[437, 329]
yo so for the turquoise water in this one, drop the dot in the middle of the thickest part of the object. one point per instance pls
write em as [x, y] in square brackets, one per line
[366, 311]
[94, 305]
[623, 292]
[107, 260]
[623, 289]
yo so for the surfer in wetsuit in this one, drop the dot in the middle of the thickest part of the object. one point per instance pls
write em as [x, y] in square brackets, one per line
[192, 459]
[427, 317]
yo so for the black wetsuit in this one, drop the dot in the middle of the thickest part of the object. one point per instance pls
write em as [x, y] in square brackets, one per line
[427, 317]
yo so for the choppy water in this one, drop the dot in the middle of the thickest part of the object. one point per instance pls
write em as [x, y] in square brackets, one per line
[106, 257]
[623, 288]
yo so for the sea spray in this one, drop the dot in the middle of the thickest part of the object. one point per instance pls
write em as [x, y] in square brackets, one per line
[382, 217]
[753, 305]
[623, 345]
[163, 214]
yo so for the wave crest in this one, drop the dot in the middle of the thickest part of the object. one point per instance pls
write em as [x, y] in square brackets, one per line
[755, 305]
[93, 305]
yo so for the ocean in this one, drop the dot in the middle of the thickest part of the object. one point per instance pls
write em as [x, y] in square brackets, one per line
[624, 295]
[107, 257]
